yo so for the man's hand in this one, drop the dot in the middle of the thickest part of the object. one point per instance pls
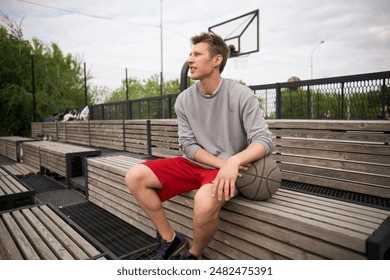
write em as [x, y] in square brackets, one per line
[224, 184]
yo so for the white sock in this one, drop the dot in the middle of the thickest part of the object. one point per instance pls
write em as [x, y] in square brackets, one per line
[172, 238]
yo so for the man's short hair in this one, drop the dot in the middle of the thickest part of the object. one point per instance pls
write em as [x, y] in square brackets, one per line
[216, 46]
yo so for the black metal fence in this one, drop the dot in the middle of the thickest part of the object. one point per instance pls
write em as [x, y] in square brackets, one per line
[357, 97]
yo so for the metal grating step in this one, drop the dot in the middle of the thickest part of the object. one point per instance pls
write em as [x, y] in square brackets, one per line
[358, 198]
[121, 238]
[41, 184]
[61, 198]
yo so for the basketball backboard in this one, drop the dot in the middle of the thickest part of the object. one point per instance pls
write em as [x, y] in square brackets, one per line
[241, 33]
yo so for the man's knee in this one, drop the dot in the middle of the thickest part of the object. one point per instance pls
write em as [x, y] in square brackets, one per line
[134, 177]
[140, 176]
[206, 207]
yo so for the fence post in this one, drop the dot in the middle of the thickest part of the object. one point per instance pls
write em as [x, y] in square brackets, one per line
[342, 101]
[383, 90]
[149, 137]
[278, 102]
[129, 110]
[309, 103]
[89, 133]
[102, 106]
[169, 106]
[124, 135]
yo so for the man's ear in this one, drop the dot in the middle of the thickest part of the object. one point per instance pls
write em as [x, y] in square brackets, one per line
[218, 59]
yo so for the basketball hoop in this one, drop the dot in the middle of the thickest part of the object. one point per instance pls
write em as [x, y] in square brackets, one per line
[240, 62]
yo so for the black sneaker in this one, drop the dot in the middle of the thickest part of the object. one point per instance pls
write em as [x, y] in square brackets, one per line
[186, 255]
[167, 250]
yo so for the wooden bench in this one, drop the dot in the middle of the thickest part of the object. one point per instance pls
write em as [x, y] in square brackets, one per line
[344, 155]
[290, 225]
[18, 169]
[136, 136]
[60, 158]
[13, 193]
[42, 233]
[164, 140]
[11, 146]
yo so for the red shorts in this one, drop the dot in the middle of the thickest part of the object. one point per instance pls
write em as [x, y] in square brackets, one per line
[179, 175]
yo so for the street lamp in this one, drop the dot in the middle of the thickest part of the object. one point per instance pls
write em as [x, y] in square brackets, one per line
[311, 58]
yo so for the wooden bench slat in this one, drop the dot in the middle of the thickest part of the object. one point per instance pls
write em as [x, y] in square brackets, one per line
[367, 125]
[334, 164]
[8, 249]
[25, 248]
[337, 155]
[318, 145]
[336, 174]
[297, 239]
[355, 136]
[32, 228]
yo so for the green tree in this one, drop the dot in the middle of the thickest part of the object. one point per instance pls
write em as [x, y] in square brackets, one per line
[59, 80]
[139, 89]
[15, 85]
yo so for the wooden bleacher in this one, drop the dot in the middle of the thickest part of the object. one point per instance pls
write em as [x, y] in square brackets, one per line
[351, 156]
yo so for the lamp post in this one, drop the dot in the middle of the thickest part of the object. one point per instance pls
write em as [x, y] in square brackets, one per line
[311, 58]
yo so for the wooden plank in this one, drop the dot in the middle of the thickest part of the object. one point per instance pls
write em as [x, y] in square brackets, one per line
[356, 136]
[8, 248]
[365, 125]
[26, 249]
[56, 233]
[20, 170]
[302, 246]
[166, 152]
[14, 185]
[349, 156]
[334, 146]
[283, 234]
[378, 180]
[172, 122]
[284, 217]
[29, 226]
[358, 166]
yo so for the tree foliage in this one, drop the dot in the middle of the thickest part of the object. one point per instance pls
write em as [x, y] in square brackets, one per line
[138, 89]
[59, 80]
[319, 104]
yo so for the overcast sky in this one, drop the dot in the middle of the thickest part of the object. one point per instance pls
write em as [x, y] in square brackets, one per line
[110, 36]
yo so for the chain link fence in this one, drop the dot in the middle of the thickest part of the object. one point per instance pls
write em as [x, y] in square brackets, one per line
[357, 97]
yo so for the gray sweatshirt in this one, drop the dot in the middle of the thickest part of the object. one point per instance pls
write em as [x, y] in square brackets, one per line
[223, 124]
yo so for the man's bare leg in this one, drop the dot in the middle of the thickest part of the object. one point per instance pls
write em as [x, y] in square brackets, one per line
[142, 182]
[206, 219]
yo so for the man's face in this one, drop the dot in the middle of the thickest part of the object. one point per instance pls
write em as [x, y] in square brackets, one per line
[201, 63]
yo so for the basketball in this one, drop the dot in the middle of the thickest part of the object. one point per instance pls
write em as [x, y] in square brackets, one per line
[261, 180]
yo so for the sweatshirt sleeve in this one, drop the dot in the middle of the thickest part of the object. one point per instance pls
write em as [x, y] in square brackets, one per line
[255, 125]
[187, 140]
